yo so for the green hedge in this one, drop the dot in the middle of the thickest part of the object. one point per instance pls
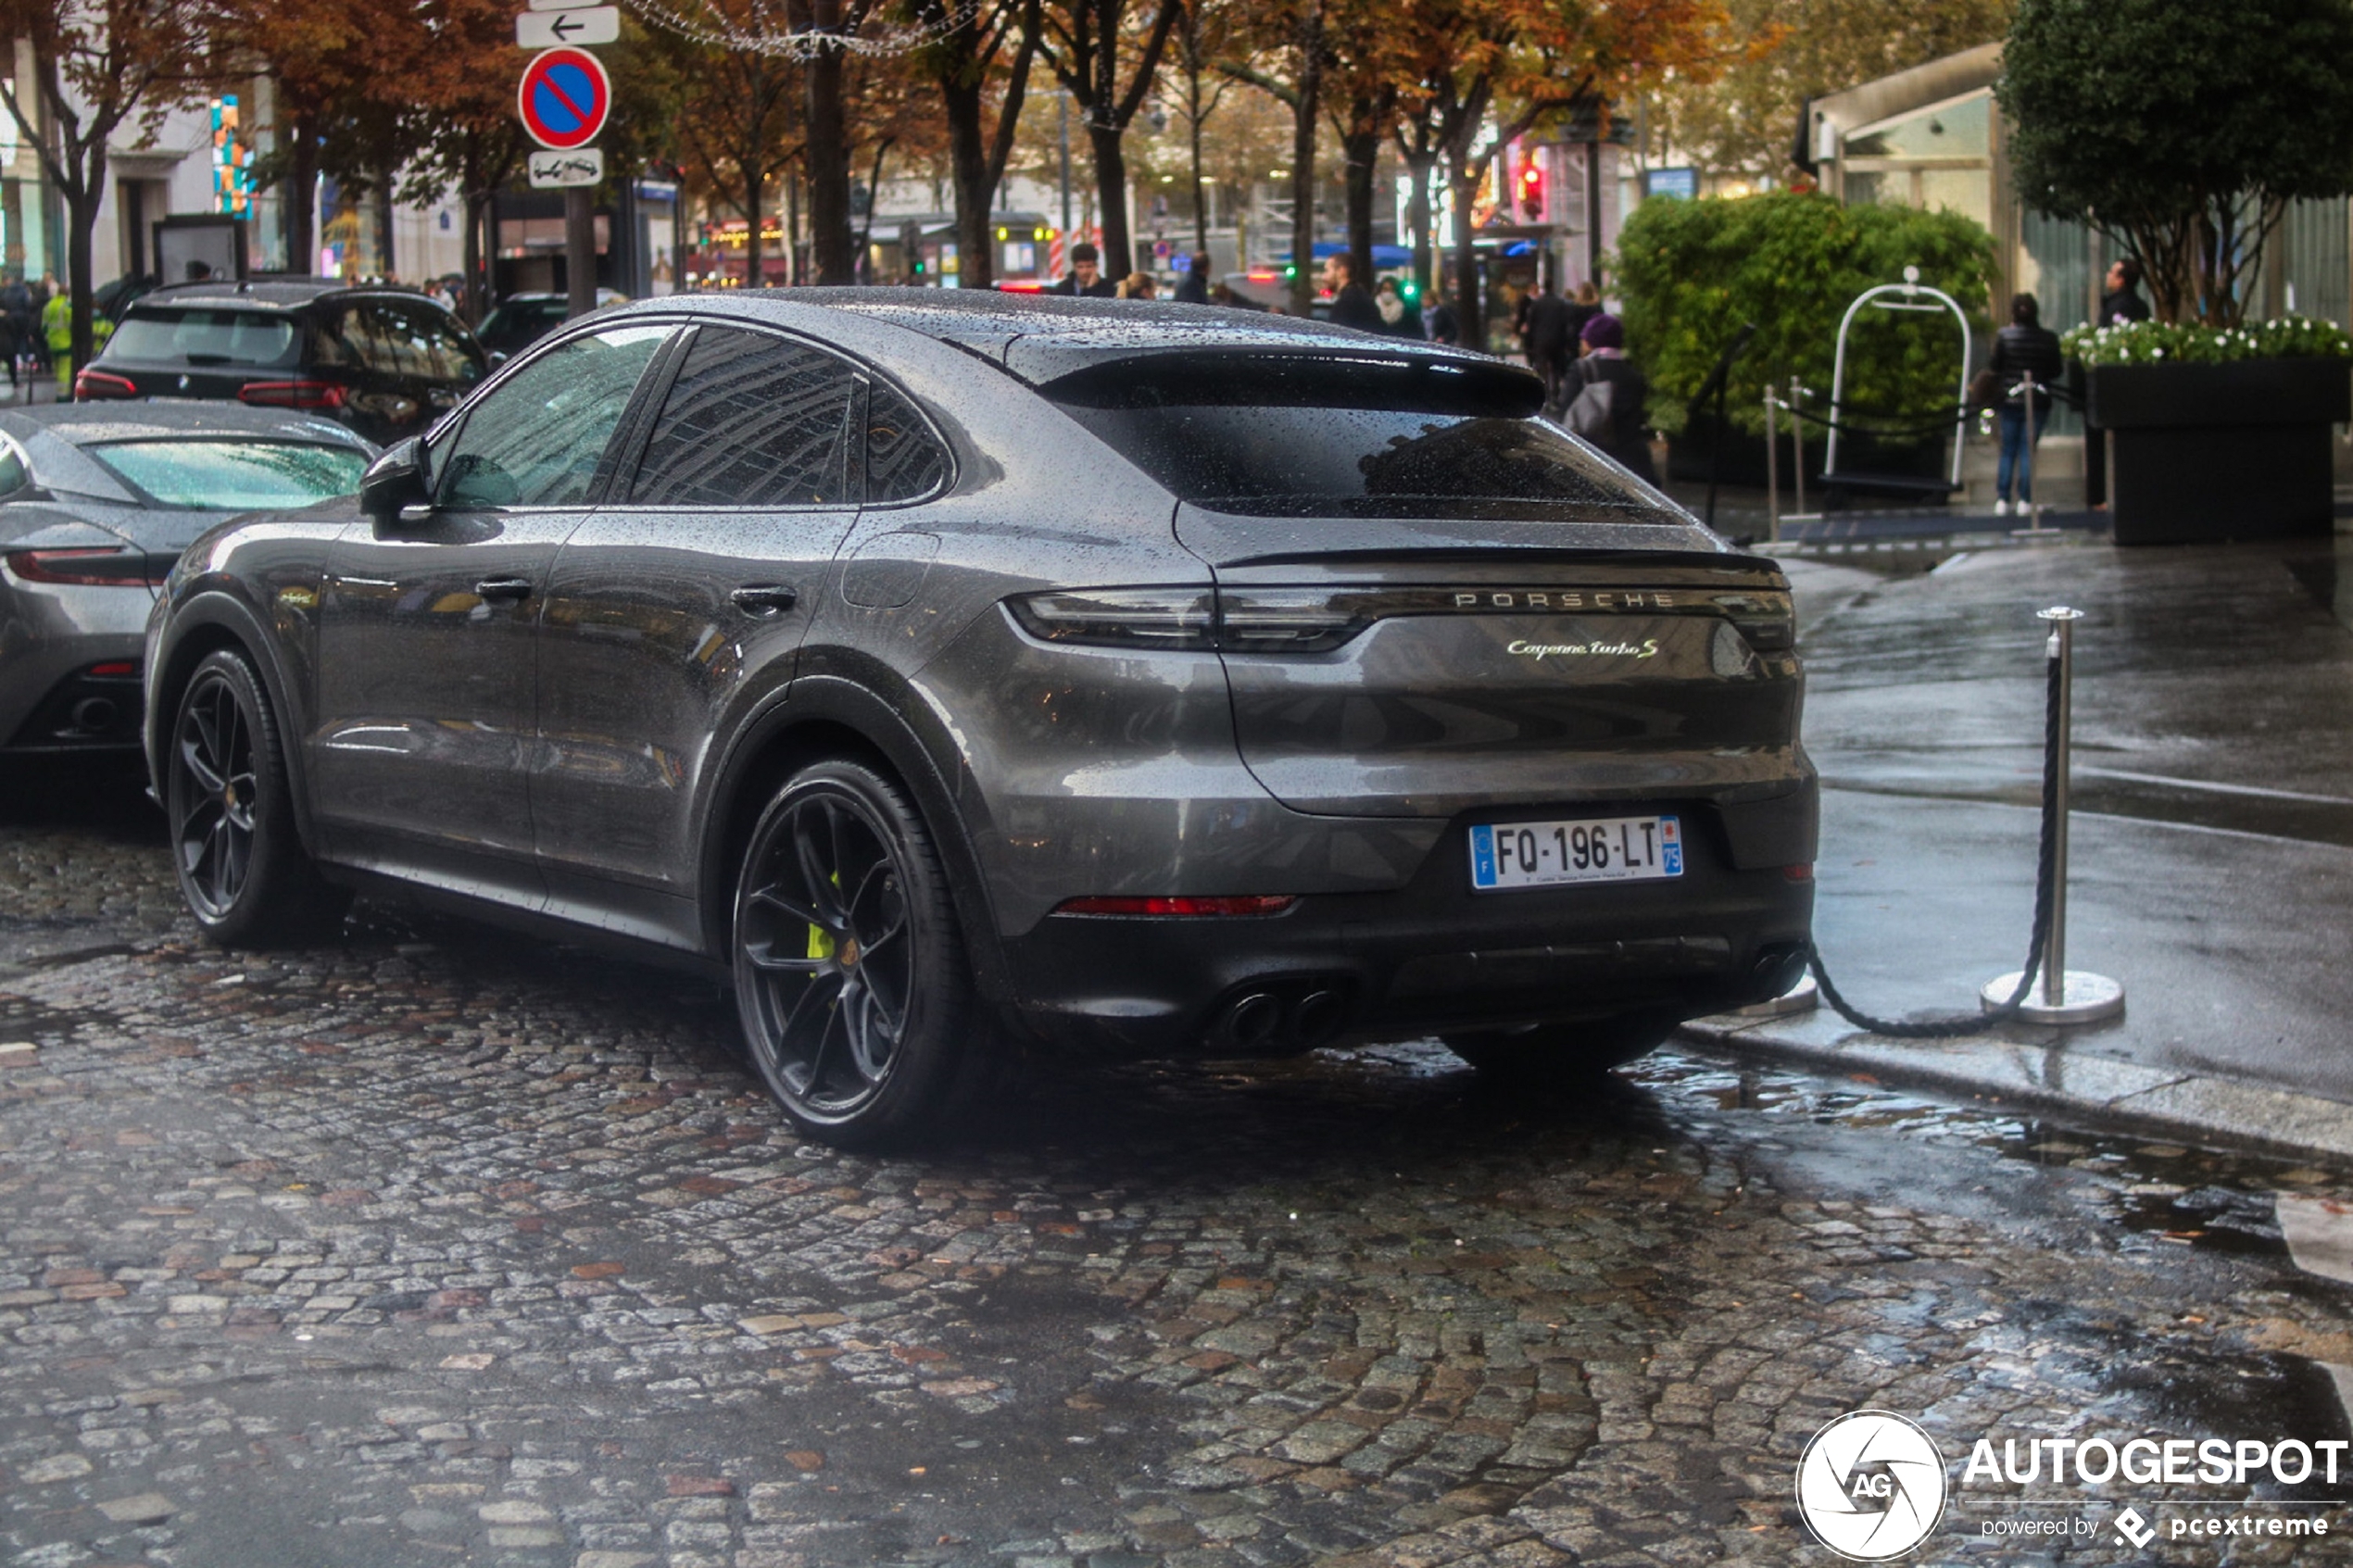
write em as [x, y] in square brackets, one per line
[1690, 273]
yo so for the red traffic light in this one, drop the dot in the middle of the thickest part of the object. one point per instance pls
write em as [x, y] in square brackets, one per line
[1531, 189]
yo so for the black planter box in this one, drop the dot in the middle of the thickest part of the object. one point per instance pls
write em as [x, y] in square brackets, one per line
[2206, 452]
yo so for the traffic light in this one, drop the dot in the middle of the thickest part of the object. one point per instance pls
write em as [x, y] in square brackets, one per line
[1531, 189]
[1410, 289]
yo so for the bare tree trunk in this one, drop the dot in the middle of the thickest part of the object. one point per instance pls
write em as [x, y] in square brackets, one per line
[81, 219]
[1361, 149]
[968, 166]
[828, 152]
[1200, 205]
[1302, 162]
[1467, 303]
[1111, 190]
[301, 198]
[754, 276]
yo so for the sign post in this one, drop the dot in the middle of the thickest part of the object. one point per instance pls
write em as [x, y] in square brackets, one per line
[564, 100]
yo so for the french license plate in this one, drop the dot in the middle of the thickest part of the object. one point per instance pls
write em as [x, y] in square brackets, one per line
[1513, 855]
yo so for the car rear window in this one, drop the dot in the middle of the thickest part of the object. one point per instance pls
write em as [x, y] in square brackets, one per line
[242, 339]
[1268, 436]
[232, 476]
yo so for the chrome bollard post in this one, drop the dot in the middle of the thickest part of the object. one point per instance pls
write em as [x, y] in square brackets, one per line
[2060, 995]
[1797, 440]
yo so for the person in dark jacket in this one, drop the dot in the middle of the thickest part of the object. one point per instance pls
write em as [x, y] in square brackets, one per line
[2119, 305]
[1444, 325]
[2024, 347]
[1625, 435]
[1193, 287]
[1549, 337]
[1351, 302]
[2123, 302]
[1087, 275]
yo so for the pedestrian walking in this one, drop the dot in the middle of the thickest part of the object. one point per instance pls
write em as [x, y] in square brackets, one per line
[1608, 396]
[16, 324]
[1139, 285]
[56, 332]
[1398, 316]
[1583, 306]
[1193, 287]
[1444, 325]
[1548, 340]
[1351, 302]
[2024, 347]
[1086, 279]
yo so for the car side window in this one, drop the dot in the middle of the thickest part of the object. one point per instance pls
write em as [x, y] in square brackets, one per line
[752, 421]
[536, 439]
[14, 473]
[904, 460]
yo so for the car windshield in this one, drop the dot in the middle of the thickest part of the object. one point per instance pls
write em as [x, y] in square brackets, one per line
[232, 476]
[1363, 438]
[246, 339]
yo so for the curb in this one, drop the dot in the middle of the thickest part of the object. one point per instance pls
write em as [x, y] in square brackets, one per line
[2036, 1069]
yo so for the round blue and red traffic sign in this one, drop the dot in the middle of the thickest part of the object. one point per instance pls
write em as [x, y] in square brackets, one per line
[564, 98]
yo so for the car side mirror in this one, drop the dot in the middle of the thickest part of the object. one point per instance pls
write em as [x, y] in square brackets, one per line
[396, 481]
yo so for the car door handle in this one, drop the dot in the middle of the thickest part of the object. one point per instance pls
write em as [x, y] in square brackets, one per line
[508, 588]
[764, 598]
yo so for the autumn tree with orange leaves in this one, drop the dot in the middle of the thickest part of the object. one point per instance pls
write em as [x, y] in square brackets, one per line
[1477, 74]
[97, 66]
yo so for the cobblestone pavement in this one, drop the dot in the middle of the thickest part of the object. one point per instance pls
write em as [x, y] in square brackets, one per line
[431, 1245]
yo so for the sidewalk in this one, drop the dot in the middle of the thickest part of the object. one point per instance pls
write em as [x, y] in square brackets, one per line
[2212, 862]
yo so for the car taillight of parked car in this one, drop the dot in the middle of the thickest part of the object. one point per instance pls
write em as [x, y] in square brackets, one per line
[294, 394]
[90, 387]
[101, 566]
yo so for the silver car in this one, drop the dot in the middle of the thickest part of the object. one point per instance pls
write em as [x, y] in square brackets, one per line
[1131, 680]
[96, 501]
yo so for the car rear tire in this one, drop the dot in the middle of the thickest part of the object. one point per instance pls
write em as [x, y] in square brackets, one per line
[238, 855]
[851, 978]
[1555, 1053]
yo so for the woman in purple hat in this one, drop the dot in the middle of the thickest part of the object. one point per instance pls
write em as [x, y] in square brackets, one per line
[1604, 399]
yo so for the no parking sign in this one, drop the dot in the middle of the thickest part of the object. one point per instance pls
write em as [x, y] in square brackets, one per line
[564, 98]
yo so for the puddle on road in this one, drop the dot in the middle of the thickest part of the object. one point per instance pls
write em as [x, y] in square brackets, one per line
[2163, 1195]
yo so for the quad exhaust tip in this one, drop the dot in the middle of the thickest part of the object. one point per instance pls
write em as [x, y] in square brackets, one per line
[1278, 1018]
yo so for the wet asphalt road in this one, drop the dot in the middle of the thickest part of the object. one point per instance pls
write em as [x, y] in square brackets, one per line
[431, 1245]
[2213, 841]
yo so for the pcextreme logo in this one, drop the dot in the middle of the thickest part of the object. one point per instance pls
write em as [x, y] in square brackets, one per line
[1871, 1486]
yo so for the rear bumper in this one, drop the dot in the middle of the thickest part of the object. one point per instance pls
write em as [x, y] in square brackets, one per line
[49, 638]
[1428, 958]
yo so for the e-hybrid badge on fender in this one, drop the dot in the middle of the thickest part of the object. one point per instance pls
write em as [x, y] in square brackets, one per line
[1547, 854]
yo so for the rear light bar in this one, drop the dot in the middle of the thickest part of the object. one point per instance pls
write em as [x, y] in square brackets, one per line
[294, 394]
[1285, 620]
[100, 565]
[113, 670]
[1163, 905]
[90, 387]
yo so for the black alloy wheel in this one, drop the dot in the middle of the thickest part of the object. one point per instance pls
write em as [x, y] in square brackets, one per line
[850, 976]
[236, 850]
[1540, 1055]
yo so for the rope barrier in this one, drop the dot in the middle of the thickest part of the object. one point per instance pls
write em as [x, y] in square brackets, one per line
[1956, 1026]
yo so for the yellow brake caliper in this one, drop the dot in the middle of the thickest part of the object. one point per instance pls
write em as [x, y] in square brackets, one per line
[821, 941]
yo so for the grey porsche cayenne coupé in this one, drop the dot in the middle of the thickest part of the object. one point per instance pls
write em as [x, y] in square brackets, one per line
[1143, 680]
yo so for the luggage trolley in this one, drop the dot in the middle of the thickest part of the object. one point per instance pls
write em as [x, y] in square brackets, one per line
[1910, 289]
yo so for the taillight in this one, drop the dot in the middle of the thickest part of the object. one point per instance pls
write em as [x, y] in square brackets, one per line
[1289, 620]
[1766, 619]
[1156, 618]
[92, 385]
[1245, 904]
[294, 394]
[102, 565]
[113, 670]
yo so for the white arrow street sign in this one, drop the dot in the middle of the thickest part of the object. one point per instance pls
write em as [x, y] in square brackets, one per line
[553, 171]
[551, 30]
[560, 4]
